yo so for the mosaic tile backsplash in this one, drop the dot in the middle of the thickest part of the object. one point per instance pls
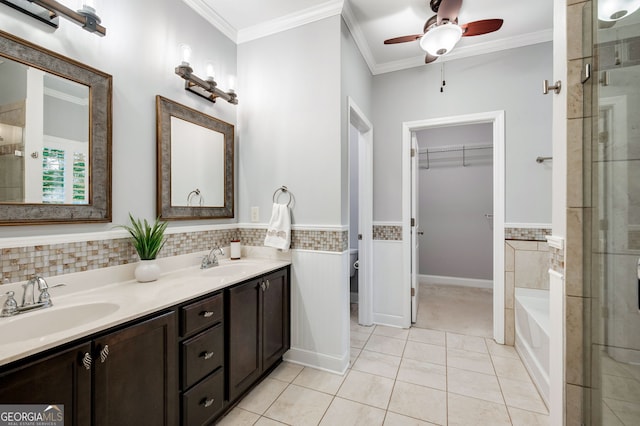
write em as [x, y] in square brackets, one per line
[387, 232]
[21, 263]
[527, 234]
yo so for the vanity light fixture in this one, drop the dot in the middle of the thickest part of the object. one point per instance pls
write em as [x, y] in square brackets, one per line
[48, 11]
[208, 88]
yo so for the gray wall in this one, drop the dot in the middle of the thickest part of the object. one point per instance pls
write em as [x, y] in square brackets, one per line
[453, 199]
[507, 80]
[140, 51]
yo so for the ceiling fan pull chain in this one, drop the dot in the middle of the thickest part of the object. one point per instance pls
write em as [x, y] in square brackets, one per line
[444, 83]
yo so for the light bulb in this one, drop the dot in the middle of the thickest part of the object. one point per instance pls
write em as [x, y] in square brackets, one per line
[232, 83]
[185, 53]
[210, 71]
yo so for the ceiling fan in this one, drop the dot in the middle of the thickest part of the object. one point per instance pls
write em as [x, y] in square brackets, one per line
[441, 32]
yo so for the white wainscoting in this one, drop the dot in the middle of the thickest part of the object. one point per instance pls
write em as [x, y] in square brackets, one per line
[388, 300]
[320, 325]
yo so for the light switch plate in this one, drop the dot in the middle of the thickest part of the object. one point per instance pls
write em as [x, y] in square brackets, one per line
[255, 214]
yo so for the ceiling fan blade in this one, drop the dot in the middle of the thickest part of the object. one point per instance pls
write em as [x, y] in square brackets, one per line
[403, 39]
[429, 58]
[448, 10]
[481, 27]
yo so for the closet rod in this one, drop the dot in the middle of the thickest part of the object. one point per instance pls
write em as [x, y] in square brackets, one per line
[453, 148]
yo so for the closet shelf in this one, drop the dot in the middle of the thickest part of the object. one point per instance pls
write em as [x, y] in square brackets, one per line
[423, 154]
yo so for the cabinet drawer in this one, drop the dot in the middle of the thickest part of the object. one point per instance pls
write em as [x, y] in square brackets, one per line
[202, 354]
[204, 401]
[200, 315]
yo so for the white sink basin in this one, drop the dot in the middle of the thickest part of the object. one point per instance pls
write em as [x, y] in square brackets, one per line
[43, 322]
[230, 269]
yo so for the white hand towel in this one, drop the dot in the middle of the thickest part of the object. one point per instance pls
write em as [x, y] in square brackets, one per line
[279, 230]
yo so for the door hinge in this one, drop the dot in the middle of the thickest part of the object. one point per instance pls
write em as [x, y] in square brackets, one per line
[413, 152]
[413, 292]
[413, 221]
[360, 236]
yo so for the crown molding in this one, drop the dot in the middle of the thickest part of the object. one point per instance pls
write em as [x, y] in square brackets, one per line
[202, 9]
[468, 51]
[293, 20]
[358, 36]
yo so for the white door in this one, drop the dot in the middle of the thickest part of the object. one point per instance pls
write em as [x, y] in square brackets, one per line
[414, 228]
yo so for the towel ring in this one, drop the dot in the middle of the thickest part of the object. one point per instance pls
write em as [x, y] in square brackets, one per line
[282, 189]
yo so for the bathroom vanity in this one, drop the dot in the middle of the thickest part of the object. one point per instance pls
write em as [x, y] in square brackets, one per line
[184, 362]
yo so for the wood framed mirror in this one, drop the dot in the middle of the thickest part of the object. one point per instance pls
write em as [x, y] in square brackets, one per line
[55, 137]
[195, 154]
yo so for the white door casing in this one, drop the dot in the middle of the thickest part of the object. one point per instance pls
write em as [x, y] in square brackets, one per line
[497, 119]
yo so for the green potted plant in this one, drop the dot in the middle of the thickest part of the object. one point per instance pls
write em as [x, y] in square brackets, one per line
[148, 239]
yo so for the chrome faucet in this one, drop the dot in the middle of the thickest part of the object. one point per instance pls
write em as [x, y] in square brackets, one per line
[11, 307]
[211, 259]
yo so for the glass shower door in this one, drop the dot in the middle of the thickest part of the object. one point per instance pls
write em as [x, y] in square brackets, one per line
[612, 140]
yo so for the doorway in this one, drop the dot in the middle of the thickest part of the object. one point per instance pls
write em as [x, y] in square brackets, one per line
[360, 213]
[454, 227]
[409, 200]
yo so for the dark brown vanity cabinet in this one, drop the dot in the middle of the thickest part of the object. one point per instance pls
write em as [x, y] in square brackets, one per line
[135, 379]
[202, 359]
[258, 328]
[127, 376]
[59, 378]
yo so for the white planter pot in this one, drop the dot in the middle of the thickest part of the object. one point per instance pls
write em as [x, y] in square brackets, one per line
[147, 270]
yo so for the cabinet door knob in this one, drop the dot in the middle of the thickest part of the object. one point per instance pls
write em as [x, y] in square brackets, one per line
[268, 284]
[263, 286]
[207, 314]
[104, 353]
[87, 360]
[207, 355]
[206, 402]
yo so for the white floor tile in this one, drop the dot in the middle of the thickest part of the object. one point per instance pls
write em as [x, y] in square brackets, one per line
[376, 363]
[467, 343]
[522, 395]
[473, 384]
[260, 398]
[419, 402]
[345, 412]
[239, 417]
[286, 372]
[425, 352]
[527, 418]
[465, 411]
[396, 333]
[385, 345]
[367, 389]
[423, 335]
[423, 374]
[394, 419]
[468, 360]
[321, 381]
[299, 406]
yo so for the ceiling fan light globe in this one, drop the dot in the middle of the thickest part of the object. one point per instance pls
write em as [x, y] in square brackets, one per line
[440, 40]
[614, 10]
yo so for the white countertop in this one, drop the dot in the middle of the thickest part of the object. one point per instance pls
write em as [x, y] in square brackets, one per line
[114, 289]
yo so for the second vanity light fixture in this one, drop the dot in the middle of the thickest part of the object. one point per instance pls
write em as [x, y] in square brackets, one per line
[208, 88]
[48, 11]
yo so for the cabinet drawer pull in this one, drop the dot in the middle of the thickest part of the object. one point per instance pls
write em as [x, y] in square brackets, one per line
[104, 353]
[263, 286]
[207, 355]
[206, 403]
[87, 360]
[207, 314]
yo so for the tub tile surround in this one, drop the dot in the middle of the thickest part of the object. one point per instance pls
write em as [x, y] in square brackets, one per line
[526, 266]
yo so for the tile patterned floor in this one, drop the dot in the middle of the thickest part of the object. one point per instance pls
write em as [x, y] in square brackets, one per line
[401, 377]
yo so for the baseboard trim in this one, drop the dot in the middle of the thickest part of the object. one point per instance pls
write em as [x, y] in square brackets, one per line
[331, 364]
[462, 282]
[388, 320]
